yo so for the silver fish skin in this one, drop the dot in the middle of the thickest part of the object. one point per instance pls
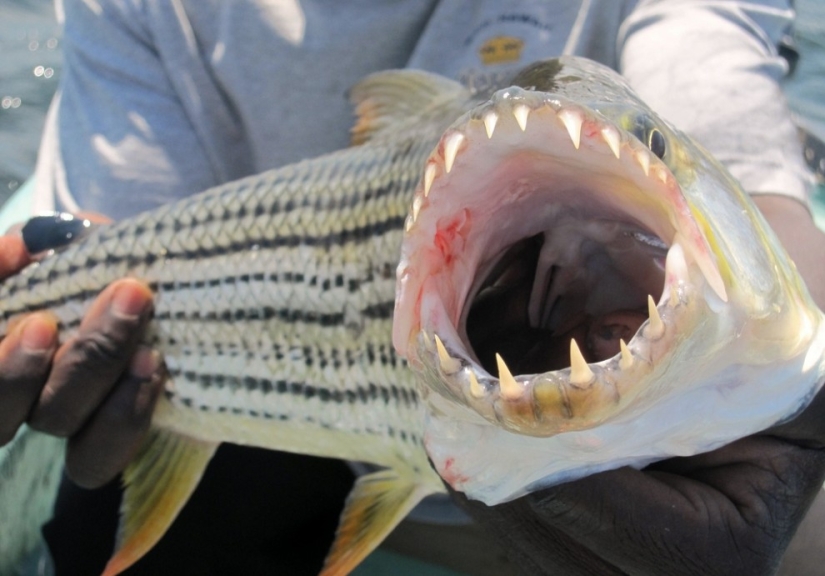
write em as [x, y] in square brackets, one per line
[273, 312]
[583, 287]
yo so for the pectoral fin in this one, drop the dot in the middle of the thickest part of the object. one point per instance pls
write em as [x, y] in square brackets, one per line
[158, 483]
[377, 503]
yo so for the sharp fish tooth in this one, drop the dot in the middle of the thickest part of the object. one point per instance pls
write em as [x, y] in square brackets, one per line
[676, 269]
[626, 360]
[580, 372]
[416, 207]
[611, 136]
[521, 112]
[507, 385]
[429, 176]
[675, 263]
[449, 364]
[644, 161]
[655, 326]
[475, 388]
[704, 260]
[451, 149]
[428, 342]
[490, 120]
[673, 298]
[572, 120]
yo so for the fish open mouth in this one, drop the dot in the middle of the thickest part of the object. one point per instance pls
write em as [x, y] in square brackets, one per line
[554, 250]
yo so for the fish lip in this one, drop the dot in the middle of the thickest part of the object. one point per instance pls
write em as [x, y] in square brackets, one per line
[470, 151]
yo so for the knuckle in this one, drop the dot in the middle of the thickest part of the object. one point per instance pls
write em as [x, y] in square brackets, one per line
[100, 347]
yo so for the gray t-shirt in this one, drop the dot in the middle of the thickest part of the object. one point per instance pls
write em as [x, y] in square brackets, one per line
[164, 98]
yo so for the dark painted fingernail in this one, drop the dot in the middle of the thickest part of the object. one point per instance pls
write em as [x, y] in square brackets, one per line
[145, 363]
[53, 231]
[37, 335]
[128, 303]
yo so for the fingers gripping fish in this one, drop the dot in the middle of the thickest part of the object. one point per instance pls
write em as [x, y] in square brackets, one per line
[580, 287]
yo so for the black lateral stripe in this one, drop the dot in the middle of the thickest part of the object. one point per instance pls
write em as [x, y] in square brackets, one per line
[356, 236]
[310, 355]
[361, 394]
[381, 311]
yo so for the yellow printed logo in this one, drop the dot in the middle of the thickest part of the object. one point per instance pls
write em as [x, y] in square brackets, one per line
[501, 49]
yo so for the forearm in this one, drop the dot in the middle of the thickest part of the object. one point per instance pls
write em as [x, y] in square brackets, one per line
[805, 243]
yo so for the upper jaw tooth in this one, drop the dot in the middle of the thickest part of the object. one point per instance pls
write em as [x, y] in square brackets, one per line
[572, 121]
[490, 121]
[613, 140]
[521, 112]
[451, 146]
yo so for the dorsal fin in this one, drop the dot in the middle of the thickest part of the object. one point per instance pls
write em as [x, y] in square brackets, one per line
[386, 98]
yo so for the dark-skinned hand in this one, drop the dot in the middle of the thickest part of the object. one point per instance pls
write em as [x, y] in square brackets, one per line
[728, 512]
[97, 388]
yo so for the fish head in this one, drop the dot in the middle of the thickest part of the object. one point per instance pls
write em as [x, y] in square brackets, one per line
[582, 286]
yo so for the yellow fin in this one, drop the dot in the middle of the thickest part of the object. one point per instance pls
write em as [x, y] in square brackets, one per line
[159, 481]
[377, 503]
[393, 96]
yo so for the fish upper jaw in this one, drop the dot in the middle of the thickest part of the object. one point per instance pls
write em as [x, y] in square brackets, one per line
[523, 164]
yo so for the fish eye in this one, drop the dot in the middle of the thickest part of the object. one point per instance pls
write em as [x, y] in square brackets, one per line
[656, 143]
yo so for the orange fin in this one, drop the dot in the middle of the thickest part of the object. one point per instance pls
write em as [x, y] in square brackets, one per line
[377, 503]
[159, 481]
[390, 97]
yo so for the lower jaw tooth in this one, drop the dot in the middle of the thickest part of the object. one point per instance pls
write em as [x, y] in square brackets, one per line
[449, 365]
[626, 360]
[655, 327]
[580, 372]
[509, 388]
[476, 390]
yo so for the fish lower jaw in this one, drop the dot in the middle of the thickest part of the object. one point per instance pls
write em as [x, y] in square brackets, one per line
[579, 396]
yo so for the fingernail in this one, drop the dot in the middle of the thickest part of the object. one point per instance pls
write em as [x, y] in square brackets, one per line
[145, 363]
[38, 334]
[128, 303]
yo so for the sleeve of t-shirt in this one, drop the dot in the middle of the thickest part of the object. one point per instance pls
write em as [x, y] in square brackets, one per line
[712, 69]
[127, 132]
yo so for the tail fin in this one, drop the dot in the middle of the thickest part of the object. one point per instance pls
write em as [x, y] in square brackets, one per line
[30, 470]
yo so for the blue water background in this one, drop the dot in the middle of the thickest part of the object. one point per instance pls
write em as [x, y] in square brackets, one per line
[29, 69]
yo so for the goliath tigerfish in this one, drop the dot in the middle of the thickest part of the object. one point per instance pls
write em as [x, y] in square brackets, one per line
[551, 209]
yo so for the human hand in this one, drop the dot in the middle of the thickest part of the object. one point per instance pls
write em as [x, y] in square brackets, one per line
[727, 512]
[730, 511]
[97, 389]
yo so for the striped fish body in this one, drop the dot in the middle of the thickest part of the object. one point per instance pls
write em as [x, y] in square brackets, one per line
[273, 310]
